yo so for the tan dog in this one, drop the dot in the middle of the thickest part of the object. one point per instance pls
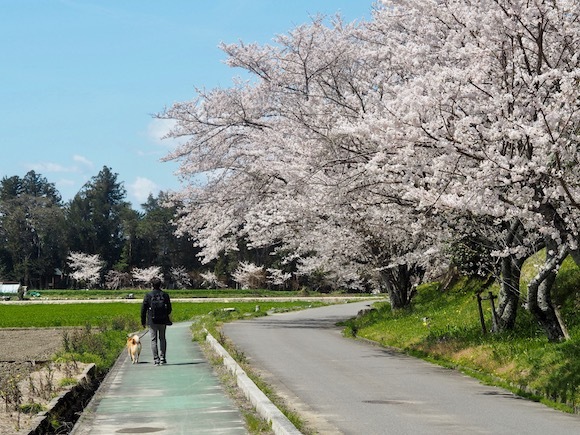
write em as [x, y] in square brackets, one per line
[134, 348]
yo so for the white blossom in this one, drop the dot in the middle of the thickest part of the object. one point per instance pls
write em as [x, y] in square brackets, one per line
[86, 268]
[249, 276]
[210, 280]
[145, 275]
[366, 147]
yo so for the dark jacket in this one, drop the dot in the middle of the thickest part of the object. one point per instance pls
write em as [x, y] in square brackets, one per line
[145, 312]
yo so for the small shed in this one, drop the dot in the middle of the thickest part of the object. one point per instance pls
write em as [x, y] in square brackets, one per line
[9, 287]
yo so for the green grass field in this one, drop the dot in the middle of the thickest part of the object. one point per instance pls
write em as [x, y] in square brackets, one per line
[102, 328]
[179, 293]
[102, 314]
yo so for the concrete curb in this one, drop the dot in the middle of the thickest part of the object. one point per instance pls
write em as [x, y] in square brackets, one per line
[280, 423]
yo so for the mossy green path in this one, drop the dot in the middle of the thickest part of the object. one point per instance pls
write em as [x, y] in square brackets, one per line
[181, 397]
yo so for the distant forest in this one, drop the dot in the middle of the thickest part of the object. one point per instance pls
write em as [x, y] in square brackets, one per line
[39, 231]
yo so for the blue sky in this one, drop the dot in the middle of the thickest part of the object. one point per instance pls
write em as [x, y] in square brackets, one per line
[80, 79]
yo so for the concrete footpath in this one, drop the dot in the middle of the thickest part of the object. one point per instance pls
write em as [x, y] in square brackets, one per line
[181, 397]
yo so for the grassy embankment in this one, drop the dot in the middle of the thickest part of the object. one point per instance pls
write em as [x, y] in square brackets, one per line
[444, 327]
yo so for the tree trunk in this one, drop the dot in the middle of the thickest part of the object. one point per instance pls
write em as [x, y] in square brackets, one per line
[576, 256]
[509, 296]
[398, 283]
[539, 293]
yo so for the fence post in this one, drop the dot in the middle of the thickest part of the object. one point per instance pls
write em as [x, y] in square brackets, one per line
[493, 313]
[481, 314]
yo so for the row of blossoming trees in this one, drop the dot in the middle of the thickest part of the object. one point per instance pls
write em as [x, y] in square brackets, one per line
[88, 269]
[364, 149]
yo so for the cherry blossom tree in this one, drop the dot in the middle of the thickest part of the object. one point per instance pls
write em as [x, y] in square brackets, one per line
[210, 280]
[363, 148]
[249, 276]
[116, 280]
[145, 275]
[180, 277]
[86, 268]
[495, 104]
[277, 278]
[283, 168]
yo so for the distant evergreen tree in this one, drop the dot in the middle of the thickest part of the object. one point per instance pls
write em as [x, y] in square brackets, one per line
[32, 229]
[157, 243]
[95, 218]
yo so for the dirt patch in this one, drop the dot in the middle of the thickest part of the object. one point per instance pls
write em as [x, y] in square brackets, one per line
[27, 377]
[30, 344]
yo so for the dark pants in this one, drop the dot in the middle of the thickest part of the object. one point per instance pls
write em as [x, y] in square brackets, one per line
[158, 342]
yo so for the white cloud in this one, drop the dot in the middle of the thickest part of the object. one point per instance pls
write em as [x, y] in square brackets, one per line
[50, 167]
[83, 160]
[158, 129]
[141, 188]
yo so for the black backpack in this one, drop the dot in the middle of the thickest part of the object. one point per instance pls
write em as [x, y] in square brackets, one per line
[158, 309]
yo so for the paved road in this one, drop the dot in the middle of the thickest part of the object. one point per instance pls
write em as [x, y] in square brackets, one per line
[351, 387]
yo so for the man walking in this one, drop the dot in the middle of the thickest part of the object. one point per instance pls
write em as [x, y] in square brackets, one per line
[155, 312]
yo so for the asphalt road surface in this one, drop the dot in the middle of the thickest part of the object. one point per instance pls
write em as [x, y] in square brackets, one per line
[345, 386]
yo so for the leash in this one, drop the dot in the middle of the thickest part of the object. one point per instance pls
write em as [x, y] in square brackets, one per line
[139, 335]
